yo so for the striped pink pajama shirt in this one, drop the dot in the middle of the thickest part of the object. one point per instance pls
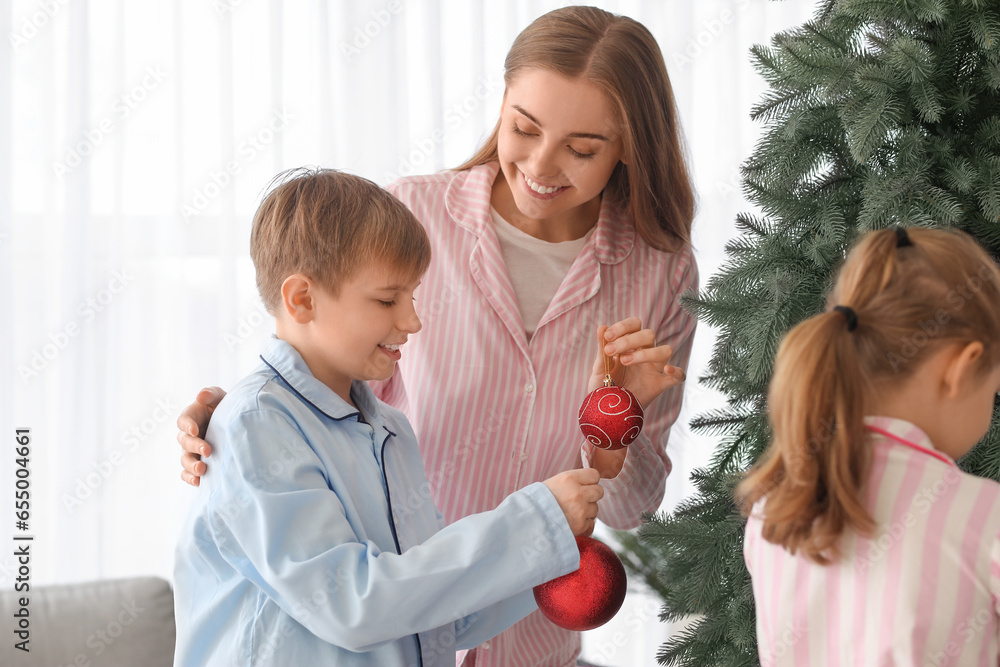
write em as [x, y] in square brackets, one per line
[494, 410]
[923, 590]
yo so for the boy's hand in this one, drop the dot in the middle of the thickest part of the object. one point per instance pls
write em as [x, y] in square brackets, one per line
[641, 365]
[193, 422]
[577, 493]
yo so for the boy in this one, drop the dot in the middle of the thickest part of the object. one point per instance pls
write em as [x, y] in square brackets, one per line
[315, 541]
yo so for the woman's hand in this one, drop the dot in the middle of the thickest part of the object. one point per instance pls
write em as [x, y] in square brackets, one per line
[192, 423]
[637, 364]
[608, 462]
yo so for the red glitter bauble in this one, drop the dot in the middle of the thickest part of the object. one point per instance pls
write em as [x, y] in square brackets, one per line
[611, 417]
[589, 597]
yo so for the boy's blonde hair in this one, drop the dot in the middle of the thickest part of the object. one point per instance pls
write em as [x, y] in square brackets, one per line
[327, 224]
[910, 300]
[621, 58]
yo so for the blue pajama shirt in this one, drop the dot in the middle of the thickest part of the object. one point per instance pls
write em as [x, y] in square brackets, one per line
[314, 540]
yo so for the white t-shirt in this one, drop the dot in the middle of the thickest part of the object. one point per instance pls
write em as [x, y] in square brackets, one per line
[536, 267]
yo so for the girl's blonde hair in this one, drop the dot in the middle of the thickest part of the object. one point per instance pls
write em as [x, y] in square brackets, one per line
[621, 58]
[910, 300]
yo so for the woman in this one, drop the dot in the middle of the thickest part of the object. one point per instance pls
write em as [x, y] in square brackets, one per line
[575, 213]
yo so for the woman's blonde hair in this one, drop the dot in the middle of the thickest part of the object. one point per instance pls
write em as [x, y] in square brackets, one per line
[909, 301]
[621, 58]
[327, 224]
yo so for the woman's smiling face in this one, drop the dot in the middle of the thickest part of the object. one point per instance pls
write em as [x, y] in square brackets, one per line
[558, 145]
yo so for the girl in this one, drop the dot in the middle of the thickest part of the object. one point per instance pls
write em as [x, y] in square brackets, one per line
[865, 544]
[576, 212]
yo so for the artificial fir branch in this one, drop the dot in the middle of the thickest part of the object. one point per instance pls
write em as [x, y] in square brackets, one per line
[880, 112]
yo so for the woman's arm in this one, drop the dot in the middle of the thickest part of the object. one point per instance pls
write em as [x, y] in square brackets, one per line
[639, 485]
[193, 422]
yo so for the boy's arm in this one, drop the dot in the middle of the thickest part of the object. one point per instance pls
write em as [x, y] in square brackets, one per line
[281, 526]
[486, 624]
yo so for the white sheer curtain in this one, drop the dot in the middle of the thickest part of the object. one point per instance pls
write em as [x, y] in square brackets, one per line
[135, 139]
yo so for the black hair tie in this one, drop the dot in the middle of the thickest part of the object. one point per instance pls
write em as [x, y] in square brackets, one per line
[852, 317]
[902, 238]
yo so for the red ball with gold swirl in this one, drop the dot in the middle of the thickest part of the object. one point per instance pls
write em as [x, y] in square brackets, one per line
[611, 417]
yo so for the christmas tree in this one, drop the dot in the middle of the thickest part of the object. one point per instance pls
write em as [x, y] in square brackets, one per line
[880, 112]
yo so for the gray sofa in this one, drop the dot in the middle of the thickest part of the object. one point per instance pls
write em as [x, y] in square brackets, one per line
[110, 623]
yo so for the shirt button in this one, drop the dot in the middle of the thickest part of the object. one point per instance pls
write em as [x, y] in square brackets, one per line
[524, 456]
[528, 387]
[485, 646]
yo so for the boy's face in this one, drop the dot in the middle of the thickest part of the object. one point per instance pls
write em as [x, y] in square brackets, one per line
[357, 334]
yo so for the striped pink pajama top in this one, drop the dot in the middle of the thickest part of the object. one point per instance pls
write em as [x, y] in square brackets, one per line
[923, 590]
[494, 410]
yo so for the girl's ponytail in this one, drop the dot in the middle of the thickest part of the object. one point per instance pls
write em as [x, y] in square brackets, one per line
[817, 460]
[899, 297]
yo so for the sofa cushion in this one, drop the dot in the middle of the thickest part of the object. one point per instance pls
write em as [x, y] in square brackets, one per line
[108, 623]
